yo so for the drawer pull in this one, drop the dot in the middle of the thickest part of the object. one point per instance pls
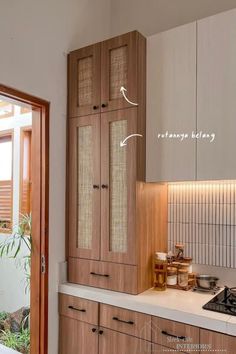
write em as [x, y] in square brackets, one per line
[75, 309]
[100, 332]
[100, 275]
[172, 335]
[94, 330]
[127, 322]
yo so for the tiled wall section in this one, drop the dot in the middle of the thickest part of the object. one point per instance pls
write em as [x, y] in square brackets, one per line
[203, 217]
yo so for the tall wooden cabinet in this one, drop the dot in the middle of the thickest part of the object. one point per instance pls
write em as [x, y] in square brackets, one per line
[115, 220]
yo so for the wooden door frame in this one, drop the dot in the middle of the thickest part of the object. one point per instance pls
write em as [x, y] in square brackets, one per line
[39, 289]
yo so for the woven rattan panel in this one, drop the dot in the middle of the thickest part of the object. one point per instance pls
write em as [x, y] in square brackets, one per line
[85, 182]
[85, 81]
[118, 187]
[118, 71]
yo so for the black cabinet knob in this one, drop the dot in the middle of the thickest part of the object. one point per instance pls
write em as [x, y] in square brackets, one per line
[96, 186]
[100, 332]
[104, 105]
[94, 330]
[104, 186]
[95, 107]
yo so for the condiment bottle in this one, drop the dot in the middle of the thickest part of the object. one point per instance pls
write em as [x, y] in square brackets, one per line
[171, 276]
[160, 271]
[183, 277]
[179, 251]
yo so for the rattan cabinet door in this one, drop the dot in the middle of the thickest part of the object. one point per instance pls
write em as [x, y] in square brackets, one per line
[119, 68]
[84, 187]
[118, 182]
[84, 81]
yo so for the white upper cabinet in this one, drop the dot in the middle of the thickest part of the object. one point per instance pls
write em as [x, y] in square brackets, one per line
[216, 96]
[171, 104]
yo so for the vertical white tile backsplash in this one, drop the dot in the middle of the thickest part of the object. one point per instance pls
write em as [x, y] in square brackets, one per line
[203, 217]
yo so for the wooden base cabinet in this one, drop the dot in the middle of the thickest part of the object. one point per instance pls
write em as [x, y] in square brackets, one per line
[217, 342]
[77, 337]
[111, 342]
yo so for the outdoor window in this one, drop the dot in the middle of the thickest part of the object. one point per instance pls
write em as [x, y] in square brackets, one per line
[5, 182]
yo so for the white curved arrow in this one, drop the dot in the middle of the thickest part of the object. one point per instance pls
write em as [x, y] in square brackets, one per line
[123, 143]
[123, 90]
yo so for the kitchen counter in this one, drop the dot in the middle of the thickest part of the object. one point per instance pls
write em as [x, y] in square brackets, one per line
[176, 305]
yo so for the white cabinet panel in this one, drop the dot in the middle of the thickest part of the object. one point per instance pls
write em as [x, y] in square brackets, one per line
[171, 104]
[216, 96]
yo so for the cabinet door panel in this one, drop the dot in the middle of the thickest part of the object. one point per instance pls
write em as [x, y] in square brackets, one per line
[171, 104]
[84, 81]
[216, 105]
[77, 337]
[217, 342]
[111, 342]
[84, 191]
[119, 68]
[158, 349]
[118, 175]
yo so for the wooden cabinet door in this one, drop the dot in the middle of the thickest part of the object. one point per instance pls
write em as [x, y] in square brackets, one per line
[119, 58]
[216, 342]
[84, 81]
[158, 349]
[111, 342]
[84, 187]
[171, 104]
[118, 180]
[216, 103]
[77, 337]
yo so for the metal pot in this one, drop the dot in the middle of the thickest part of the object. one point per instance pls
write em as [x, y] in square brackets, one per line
[206, 281]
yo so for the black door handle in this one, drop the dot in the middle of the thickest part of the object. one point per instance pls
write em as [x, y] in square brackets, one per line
[127, 322]
[75, 309]
[94, 330]
[104, 186]
[172, 335]
[99, 275]
[100, 332]
[96, 186]
[95, 107]
[104, 105]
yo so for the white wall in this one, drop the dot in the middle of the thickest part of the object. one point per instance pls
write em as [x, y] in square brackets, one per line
[35, 37]
[153, 16]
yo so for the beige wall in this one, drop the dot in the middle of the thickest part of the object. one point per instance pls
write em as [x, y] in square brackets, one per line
[35, 37]
[153, 16]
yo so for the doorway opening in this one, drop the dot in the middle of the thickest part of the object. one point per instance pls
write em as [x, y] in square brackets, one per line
[24, 183]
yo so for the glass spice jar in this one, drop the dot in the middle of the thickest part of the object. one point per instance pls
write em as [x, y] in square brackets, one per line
[188, 260]
[183, 277]
[160, 271]
[171, 276]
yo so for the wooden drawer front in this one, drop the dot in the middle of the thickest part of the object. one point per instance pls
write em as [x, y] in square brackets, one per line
[175, 335]
[112, 276]
[216, 342]
[125, 321]
[112, 342]
[78, 309]
[157, 349]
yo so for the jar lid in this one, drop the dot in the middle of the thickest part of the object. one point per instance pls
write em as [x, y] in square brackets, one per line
[161, 256]
[179, 246]
[171, 271]
[183, 270]
[184, 265]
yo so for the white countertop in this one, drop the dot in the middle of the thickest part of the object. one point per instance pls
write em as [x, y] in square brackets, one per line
[177, 305]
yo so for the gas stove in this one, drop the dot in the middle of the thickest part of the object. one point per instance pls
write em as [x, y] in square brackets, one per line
[224, 302]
